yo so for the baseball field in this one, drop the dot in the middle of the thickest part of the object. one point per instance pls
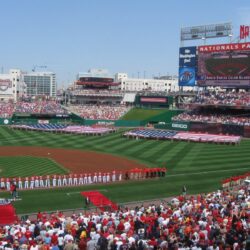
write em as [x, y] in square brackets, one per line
[199, 166]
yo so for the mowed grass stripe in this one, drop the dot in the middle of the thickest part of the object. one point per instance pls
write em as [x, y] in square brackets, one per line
[192, 156]
[134, 151]
[4, 136]
[172, 152]
[123, 146]
[27, 165]
[218, 160]
[104, 142]
[219, 155]
[20, 135]
[154, 150]
[159, 153]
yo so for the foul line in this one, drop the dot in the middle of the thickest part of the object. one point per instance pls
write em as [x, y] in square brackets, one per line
[207, 172]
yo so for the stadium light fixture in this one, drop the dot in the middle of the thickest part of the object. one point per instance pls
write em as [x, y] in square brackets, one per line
[204, 40]
[207, 31]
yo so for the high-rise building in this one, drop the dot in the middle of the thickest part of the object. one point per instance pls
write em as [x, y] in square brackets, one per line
[40, 83]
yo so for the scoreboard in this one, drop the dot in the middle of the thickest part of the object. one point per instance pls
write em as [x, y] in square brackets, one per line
[154, 101]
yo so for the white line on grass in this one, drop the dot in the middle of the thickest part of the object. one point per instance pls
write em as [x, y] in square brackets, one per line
[207, 172]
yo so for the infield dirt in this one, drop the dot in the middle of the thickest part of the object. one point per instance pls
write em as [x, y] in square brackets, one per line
[76, 161]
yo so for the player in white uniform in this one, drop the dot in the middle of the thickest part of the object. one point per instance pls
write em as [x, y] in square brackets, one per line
[80, 179]
[20, 183]
[2, 183]
[95, 178]
[32, 182]
[89, 179]
[47, 181]
[36, 182]
[75, 183]
[113, 175]
[41, 183]
[70, 180]
[104, 178]
[54, 181]
[120, 176]
[59, 181]
[108, 177]
[8, 184]
[64, 181]
[100, 177]
[26, 183]
[85, 179]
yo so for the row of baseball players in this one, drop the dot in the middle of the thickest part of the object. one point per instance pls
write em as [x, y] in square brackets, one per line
[60, 180]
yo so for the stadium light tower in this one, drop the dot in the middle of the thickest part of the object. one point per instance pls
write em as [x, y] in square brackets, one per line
[218, 30]
[204, 40]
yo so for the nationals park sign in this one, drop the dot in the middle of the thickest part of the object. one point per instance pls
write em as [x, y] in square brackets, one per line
[244, 31]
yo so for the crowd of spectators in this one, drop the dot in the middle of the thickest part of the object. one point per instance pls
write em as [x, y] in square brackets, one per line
[97, 92]
[218, 220]
[100, 112]
[212, 118]
[223, 98]
[40, 107]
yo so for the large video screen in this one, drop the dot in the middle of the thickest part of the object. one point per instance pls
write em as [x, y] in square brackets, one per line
[225, 65]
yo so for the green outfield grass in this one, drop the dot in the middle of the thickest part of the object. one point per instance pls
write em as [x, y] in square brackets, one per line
[199, 166]
[23, 166]
[140, 114]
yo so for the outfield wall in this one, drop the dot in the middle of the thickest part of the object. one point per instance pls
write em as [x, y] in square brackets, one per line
[28, 119]
[165, 117]
[211, 128]
[89, 122]
[180, 126]
[5, 121]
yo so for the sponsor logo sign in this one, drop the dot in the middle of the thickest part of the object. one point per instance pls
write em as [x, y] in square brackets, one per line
[5, 84]
[187, 76]
[187, 57]
[180, 126]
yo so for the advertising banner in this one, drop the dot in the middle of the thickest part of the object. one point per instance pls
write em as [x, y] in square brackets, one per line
[187, 57]
[187, 76]
[6, 87]
[184, 126]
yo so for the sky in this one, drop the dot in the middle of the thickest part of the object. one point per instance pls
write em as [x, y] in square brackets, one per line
[140, 37]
